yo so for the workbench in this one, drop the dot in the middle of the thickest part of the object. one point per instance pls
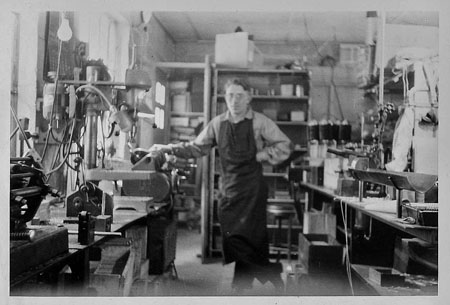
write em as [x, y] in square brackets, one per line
[78, 256]
[426, 233]
[388, 224]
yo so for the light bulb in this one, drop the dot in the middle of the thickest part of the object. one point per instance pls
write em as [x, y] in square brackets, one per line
[64, 32]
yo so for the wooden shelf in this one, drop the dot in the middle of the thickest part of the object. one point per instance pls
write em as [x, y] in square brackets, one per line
[272, 97]
[262, 71]
[97, 83]
[187, 114]
[320, 189]
[292, 123]
[281, 201]
[180, 65]
[272, 226]
[284, 226]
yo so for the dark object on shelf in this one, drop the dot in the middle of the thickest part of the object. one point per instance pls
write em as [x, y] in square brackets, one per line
[313, 131]
[103, 223]
[425, 214]
[386, 277]
[319, 252]
[325, 130]
[335, 130]
[86, 228]
[345, 132]
[315, 175]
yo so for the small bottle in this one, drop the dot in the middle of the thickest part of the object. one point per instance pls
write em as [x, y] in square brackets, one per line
[298, 91]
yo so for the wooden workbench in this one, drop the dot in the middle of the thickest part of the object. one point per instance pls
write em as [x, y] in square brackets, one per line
[77, 257]
[426, 233]
[352, 206]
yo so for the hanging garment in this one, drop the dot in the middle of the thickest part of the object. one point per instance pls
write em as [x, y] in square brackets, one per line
[401, 143]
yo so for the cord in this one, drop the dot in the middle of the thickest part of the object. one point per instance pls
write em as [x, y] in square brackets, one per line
[111, 129]
[309, 35]
[332, 69]
[66, 156]
[55, 100]
[346, 253]
[336, 93]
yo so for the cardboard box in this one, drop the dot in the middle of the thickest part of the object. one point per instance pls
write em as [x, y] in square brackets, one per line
[348, 187]
[179, 86]
[179, 121]
[386, 276]
[287, 90]
[179, 103]
[298, 116]
[319, 223]
[331, 172]
[319, 252]
[236, 50]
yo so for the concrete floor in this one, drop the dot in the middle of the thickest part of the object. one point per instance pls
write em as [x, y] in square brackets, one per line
[214, 279]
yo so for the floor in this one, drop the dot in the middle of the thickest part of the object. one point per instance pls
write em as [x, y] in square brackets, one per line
[214, 278]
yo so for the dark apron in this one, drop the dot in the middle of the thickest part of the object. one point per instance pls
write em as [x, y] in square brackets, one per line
[242, 207]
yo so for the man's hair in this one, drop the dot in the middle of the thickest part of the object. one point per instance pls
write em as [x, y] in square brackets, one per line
[238, 81]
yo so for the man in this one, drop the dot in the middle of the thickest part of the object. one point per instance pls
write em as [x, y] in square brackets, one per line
[244, 139]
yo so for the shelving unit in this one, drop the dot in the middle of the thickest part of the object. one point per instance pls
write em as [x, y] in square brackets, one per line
[281, 95]
[186, 120]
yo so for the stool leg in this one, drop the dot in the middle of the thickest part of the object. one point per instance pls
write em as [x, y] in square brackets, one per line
[289, 238]
[278, 244]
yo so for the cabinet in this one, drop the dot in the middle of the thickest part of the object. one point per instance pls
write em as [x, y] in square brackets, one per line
[283, 96]
[187, 109]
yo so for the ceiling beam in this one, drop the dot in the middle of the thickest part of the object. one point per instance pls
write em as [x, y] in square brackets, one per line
[196, 33]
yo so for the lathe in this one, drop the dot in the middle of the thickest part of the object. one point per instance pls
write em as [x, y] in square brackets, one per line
[31, 246]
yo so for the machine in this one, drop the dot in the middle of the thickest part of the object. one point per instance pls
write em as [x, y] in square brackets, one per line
[28, 188]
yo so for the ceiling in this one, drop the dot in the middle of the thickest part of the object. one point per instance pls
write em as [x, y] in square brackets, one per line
[286, 27]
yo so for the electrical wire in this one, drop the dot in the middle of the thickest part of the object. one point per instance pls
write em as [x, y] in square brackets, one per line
[309, 35]
[336, 93]
[332, 69]
[54, 101]
[346, 253]
[103, 149]
[48, 174]
[99, 92]
[111, 129]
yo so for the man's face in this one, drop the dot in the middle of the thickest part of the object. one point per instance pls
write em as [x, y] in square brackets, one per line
[237, 100]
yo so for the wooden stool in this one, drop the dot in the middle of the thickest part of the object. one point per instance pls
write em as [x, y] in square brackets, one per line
[282, 212]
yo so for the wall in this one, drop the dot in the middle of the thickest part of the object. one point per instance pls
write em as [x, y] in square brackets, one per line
[324, 97]
[153, 45]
